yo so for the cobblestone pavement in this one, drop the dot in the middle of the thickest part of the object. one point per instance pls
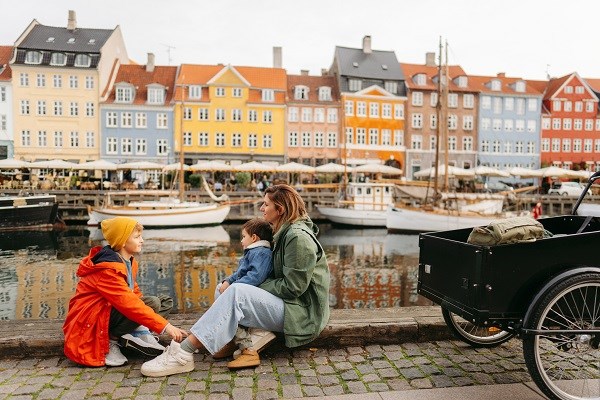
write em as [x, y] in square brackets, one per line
[283, 374]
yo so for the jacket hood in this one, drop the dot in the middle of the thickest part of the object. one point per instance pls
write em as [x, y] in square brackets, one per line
[310, 225]
[100, 258]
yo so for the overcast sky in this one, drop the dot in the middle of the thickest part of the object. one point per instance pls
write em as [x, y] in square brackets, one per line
[523, 38]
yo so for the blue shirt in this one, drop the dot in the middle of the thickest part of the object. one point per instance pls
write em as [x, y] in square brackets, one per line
[254, 266]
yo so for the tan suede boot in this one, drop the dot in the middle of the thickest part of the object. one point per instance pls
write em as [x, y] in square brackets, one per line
[226, 351]
[249, 358]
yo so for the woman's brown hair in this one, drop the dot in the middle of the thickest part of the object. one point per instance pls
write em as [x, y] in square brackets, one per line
[288, 201]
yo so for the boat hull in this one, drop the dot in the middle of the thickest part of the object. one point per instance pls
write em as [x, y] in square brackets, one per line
[349, 216]
[414, 221]
[28, 212]
[164, 216]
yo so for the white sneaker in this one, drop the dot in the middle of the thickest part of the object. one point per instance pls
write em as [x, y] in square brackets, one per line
[173, 361]
[260, 338]
[114, 358]
[142, 341]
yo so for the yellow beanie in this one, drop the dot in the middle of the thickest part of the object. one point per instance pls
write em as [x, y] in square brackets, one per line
[117, 230]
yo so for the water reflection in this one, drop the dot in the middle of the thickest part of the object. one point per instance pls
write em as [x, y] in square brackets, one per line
[369, 268]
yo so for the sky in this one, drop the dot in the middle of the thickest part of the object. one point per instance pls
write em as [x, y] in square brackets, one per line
[531, 39]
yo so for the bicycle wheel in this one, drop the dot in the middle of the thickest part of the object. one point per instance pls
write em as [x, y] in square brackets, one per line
[475, 335]
[566, 366]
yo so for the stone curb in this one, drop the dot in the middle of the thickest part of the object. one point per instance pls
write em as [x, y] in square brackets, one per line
[44, 338]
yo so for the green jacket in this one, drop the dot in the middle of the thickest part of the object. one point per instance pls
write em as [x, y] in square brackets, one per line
[301, 278]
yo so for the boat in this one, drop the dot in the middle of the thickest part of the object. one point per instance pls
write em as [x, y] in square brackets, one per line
[586, 209]
[361, 204]
[28, 212]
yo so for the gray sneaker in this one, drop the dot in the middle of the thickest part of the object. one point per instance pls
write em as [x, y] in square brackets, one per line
[114, 358]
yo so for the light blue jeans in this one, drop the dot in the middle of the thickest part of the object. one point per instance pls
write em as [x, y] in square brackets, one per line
[240, 304]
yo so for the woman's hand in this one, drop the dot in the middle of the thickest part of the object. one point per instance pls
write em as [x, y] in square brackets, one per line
[224, 286]
[175, 333]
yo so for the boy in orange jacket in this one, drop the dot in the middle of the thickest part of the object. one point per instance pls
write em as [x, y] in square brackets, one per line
[108, 305]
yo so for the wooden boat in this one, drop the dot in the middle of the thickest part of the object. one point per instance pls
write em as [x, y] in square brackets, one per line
[28, 212]
[362, 204]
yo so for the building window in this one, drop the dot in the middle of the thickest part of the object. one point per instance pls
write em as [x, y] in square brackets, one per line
[162, 147]
[267, 141]
[74, 109]
[361, 109]
[567, 124]
[203, 114]
[531, 125]
[57, 81]
[58, 139]
[162, 121]
[90, 110]
[467, 143]
[452, 143]
[41, 80]
[433, 121]
[268, 116]
[453, 100]
[140, 146]
[361, 136]
[89, 82]
[90, 139]
[468, 122]
[195, 92]
[24, 107]
[373, 136]
[3, 94]
[452, 122]
[23, 79]
[578, 106]
[578, 124]
[555, 145]
[73, 82]
[187, 113]
[203, 139]
[589, 106]
[546, 123]
[354, 85]
[577, 145]
[556, 105]
[126, 146]
[486, 102]
[568, 106]
[349, 135]
[386, 137]
[141, 121]
[579, 89]
[42, 139]
[589, 124]
[386, 111]
[417, 98]
[293, 139]
[220, 92]
[508, 125]
[556, 123]
[293, 114]
[124, 95]
[497, 105]
[398, 137]
[496, 85]
[485, 146]
[417, 120]
[25, 138]
[391, 87]
[187, 138]
[41, 107]
[252, 116]
[545, 145]
[74, 139]
[58, 59]
[220, 139]
[324, 93]
[420, 79]
[332, 115]
[33, 57]
[319, 115]
[566, 145]
[306, 139]
[301, 93]
[398, 111]
[236, 92]
[587, 146]
[349, 107]
[126, 120]
[468, 101]
[319, 139]
[268, 95]
[519, 125]
[331, 139]
[83, 60]
[374, 110]
[416, 142]
[252, 140]
[220, 114]
[3, 122]
[236, 115]
[156, 95]
[111, 145]
[111, 119]
[433, 99]
[236, 140]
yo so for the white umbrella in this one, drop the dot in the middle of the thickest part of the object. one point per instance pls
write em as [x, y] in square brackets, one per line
[11, 163]
[210, 166]
[54, 164]
[176, 167]
[253, 166]
[484, 170]
[141, 165]
[452, 171]
[101, 165]
[295, 167]
[581, 174]
[524, 172]
[555, 172]
[378, 169]
[333, 168]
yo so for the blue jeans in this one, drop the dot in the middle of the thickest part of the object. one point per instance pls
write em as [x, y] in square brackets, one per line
[240, 304]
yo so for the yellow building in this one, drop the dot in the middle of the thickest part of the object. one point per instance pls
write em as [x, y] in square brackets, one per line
[59, 75]
[230, 113]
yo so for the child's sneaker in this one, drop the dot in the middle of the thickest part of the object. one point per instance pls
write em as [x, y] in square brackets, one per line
[142, 341]
[114, 358]
[260, 338]
[174, 360]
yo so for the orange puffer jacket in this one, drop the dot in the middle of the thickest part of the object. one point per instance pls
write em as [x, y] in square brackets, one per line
[102, 286]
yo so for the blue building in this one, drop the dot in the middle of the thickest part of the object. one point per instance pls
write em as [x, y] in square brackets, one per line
[137, 116]
[509, 123]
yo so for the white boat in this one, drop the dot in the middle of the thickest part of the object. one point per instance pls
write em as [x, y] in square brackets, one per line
[364, 204]
[586, 209]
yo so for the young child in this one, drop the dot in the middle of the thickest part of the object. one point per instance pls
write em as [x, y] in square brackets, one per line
[253, 268]
[108, 305]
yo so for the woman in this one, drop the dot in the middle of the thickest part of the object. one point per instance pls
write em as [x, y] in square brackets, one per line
[293, 299]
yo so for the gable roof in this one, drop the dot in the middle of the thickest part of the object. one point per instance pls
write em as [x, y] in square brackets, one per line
[5, 56]
[313, 83]
[137, 76]
[87, 40]
[431, 72]
[480, 83]
[555, 84]
[353, 62]
[231, 69]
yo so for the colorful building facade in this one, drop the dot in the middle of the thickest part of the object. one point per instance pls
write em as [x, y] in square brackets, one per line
[6, 109]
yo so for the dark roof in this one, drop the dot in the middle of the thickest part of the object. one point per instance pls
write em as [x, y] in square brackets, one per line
[368, 65]
[38, 39]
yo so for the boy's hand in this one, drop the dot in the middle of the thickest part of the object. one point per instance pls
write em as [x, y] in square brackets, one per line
[224, 286]
[175, 333]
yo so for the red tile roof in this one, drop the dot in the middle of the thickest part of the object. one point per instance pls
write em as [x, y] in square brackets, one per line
[594, 83]
[140, 79]
[313, 83]
[481, 84]
[5, 56]
[554, 84]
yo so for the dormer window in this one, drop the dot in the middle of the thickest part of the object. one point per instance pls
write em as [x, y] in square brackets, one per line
[355, 64]
[391, 87]
[496, 85]
[50, 40]
[301, 93]
[71, 40]
[420, 79]
[462, 81]
[324, 93]
[82, 60]
[124, 94]
[92, 41]
[268, 95]
[354, 85]
[58, 59]
[33, 57]
[384, 67]
[520, 86]
[195, 92]
[156, 94]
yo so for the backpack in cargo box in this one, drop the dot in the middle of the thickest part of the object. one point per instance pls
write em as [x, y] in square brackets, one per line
[509, 230]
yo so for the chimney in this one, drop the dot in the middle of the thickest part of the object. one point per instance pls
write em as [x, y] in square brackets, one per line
[304, 72]
[430, 59]
[277, 57]
[72, 22]
[324, 72]
[367, 45]
[150, 63]
[501, 74]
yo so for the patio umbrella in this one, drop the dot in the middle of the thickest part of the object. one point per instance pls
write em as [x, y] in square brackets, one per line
[210, 166]
[333, 168]
[524, 172]
[11, 163]
[295, 167]
[141, 165]
[555, 172]
[100, 165]
[452, 171]
[378, 169]
[253, 166]
[54, 164]
[484, 170]
[176, 167]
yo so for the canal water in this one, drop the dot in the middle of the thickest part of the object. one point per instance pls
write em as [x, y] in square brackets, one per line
[369, 268]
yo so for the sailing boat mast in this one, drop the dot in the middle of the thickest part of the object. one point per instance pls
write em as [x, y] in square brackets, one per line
[445, 88]
[181, 177]
[439, 124]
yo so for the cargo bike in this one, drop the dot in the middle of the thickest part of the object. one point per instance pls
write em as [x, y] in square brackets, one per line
[547, 292]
